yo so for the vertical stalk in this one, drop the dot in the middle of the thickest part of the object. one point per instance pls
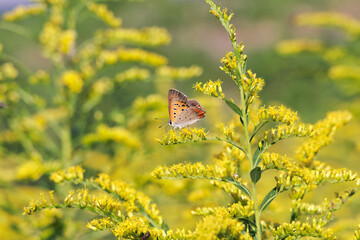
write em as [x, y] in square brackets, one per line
[66, 143]
[250, 156]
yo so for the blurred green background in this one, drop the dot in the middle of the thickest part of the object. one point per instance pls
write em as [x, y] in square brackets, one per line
[296, 81]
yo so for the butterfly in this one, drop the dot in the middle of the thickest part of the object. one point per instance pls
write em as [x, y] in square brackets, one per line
[183, 112]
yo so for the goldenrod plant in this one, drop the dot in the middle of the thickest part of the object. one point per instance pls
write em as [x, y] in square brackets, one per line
[57, 106]
[241, 170]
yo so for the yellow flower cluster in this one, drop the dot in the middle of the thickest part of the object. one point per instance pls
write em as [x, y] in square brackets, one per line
[151, 36]
[275, 161]
[55, 40]
[235, 210]
[100, 224]
[323, 133]
[210, 88]
[295, 46]
[252, 85]
[277, 114]
[44, 202]
[102, 12]
[348, 24]
[230, 64]
[23, 11]
[95, 202]
[221, 224]
[179, 73]
[345, 72]
[130, 55]
[73, 80]
[131, 228]
[117, 134]
[71, 173]
[39, 77]
[295, 230]
[186, 135]
[8, 71]
[133, 199]
[133, 74]
[35, 168]
[40, 120]
[299, 208]
[66, 42]
[334, 54]
[101, 86]
[196, 170]
[305, 179]
[286, 131]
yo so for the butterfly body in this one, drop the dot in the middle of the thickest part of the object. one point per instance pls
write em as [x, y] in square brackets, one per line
[183, 112]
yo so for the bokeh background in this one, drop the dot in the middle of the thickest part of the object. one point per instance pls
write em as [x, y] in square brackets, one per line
[299, 81]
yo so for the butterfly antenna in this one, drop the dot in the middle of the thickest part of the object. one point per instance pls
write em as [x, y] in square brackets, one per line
[163, 124]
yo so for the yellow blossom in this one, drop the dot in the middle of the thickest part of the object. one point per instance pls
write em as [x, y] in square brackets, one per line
[345, 72]
[151, 36]
[179, 73]
[133, 74]
[323, 133]
[39, 76]
[8, 70]
[295, 46]
[67, 41]
[72, 80]
[186, 135]
[348, 24]
[117, 134]
[278, 114]
[71, 173]
[22, 11]
[102, 12]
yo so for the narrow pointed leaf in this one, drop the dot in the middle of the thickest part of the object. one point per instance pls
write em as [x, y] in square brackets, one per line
[269, 198]
[256, 157]
[233, 107]
[255, 174]
[239, 186]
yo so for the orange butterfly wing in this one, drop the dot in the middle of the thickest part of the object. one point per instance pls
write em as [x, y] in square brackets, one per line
[177, 102]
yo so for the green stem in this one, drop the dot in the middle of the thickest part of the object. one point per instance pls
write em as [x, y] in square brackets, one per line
[249, 154]
[66, 144]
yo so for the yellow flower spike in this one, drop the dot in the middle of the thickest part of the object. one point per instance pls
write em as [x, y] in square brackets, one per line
[8, 70]
[102, 12]
[344, 72]
[117, 134]
[72, 173]
[295, 46]
[133, 74]
[344, 22]
[22, 11]
[189, 171]
[40, 76]
[278, 114]
[179, 73]
[323, 132]
[73, 80]
[67, 42]
[150, 36]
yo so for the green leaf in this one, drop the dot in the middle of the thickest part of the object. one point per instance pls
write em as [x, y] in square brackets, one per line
[255, 174]
[256, 158]
[239, 186]
[269, 198]
[233, 107]
[234, 144]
